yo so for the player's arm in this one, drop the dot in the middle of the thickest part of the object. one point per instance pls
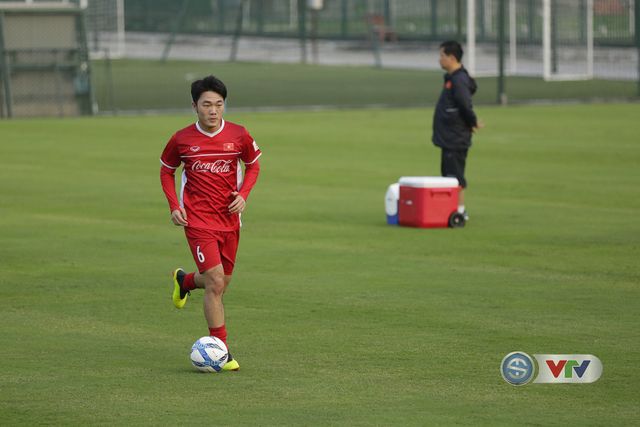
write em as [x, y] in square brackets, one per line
[168, 181]
[169, 157]
[251, 172]
[250, 155]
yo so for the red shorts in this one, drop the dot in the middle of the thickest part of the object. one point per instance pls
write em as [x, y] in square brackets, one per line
[211, 248]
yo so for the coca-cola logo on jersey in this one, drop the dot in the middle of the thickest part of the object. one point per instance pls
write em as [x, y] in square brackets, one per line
[219, 166]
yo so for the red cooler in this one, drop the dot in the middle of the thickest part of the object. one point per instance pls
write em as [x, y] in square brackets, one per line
[429, 202]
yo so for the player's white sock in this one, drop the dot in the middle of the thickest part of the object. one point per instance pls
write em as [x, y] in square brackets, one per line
[461, 208]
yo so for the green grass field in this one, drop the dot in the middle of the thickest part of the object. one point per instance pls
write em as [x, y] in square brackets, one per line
[335, 317]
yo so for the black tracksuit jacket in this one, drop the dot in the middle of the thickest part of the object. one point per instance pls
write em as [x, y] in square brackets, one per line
[454, 118]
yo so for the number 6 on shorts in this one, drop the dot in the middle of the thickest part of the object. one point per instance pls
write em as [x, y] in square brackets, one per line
[200, 254]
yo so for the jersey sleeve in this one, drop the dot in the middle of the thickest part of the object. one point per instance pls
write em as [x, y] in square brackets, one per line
[170, 156]
[170, 161]
[250, 150]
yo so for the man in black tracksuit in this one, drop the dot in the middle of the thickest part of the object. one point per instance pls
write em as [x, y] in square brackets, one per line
[454, 120]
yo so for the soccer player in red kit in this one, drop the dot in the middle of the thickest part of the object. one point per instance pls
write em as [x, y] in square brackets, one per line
[212, 196]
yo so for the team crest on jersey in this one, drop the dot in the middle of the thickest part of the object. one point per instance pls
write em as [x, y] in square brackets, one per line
[195, 148]
[228, 146]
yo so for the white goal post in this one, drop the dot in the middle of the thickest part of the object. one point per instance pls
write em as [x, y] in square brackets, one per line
[558, 45]
[105, 27]
[471, 50]
[575, 71]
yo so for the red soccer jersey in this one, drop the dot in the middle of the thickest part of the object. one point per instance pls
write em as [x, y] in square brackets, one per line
[211, 172]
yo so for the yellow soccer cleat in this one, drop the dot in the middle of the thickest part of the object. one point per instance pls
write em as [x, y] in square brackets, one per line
[179, 296]
[231, 365]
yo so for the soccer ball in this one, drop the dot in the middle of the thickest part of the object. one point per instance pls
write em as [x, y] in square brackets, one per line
[209, 354]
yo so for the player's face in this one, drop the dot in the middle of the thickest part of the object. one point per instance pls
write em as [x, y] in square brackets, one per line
[446, 61]
[210, 108]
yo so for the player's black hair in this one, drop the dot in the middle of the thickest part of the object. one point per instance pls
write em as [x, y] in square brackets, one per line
[452, 47]
[209, 83]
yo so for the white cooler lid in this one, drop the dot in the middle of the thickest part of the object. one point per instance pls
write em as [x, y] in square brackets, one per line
[428, 182]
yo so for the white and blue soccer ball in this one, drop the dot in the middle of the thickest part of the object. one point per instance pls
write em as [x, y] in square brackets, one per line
[209, 354]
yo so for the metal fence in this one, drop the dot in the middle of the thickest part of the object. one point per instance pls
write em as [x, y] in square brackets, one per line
[583, 39]
[44, 63]
[594, 35]
[411, 20]
[512, 39]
